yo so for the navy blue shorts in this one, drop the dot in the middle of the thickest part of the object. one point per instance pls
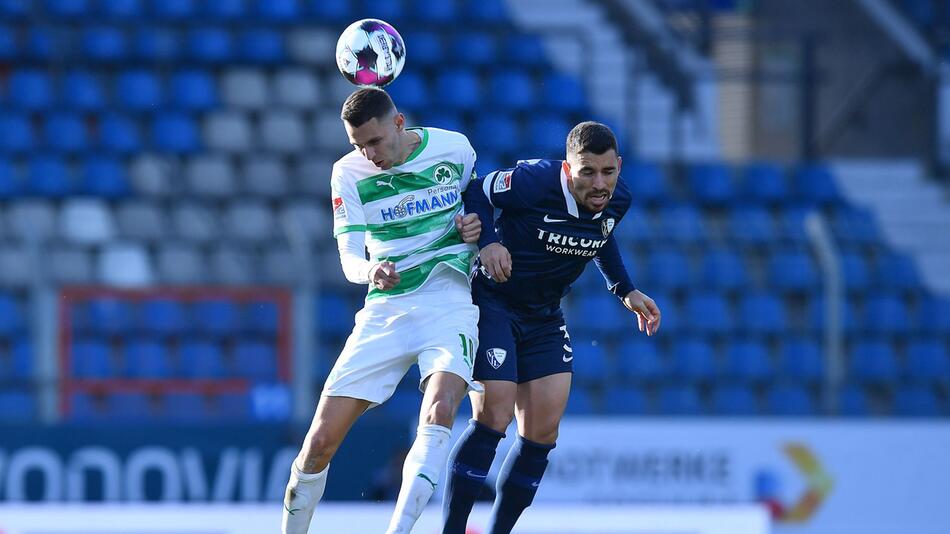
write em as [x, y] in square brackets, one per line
[519, 346]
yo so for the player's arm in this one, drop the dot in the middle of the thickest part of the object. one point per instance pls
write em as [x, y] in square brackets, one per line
[610, 263]
[493, 256]
[469, 226]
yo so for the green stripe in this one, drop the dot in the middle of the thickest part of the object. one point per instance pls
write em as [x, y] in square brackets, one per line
[349, 228]
[388, 231]
[452, 237]
[411, 279]
[385, 185]
[421, 147]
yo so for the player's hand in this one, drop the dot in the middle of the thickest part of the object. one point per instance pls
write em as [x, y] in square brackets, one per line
[383, 275]
[648, 314]
[469, 226]
[496, 261]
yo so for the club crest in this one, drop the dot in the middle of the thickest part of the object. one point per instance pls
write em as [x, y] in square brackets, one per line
[496, 357]
[607, 226]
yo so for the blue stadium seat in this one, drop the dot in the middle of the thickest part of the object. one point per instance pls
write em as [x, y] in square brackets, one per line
[764, 182]
[215, 317]
[21, 353]
[708, 313]
[496, 131]
[172, 10]
[748, 362]
[667, 269]
[581, 402]
[681, 224]
[711, 183]
[17, 406]
[49, 177]
[332, 10]
[734, 400]
[815, 185]
[261, 318]
[404, 404]
[122, 9]
[789, 400]
[680, 400]
[139, 90]
[450, 121]
[562, 92]
[638, 360]
[334, 314]
[855, 226]
[636, 227]
[16, 133]
[209, 45]
[410, 90]
[85, 407]
[201, 359]
[81, 90]
[762, 313]
[793, 225]
[109, 317]
[853, 401]
[445, 11]
[428, 48]
[458, 89]
[30, 90]
[147, 358]
[226, 10]
[256, 361]
[162, 317]
[625, 401]
[119, 134]
[855, 272]
[474, 48]
[185, 407]
[600, 312]
[130, 406]
[896, 271]
[193, 90]
[270, 402]
[546, 134]
[45, 43]
[916, 401]
[10, 183]
[66, 132]
[103, 43]
[67, 8]
[927, 362]
[886, 313]
[92, 358]
[262, 46]
[873, 362]
[12, 9]
[800, 359]
[646, 181]
[156, 44]
[693, 360]
[391, 11]
[590, 360]
[933, 315]
[751, 226]
[105, 177]
[232, 407]
[792, 270]
[9, 48]
[490, 12]
[817, 315]
[12, 317]
[177, 133]
[511, 89]
[523, 49]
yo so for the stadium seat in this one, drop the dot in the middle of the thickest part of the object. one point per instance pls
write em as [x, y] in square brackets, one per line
[266, 176]
[146, 358]
[173, 10]
[711, 183]
[748, 362]
[175, 133]
[16, 133]
[428, 49]
[491, 12]
[792, 270]
[103, 43]
[109, 317]
[693, 360]
[457, 89]
[124, 264]
[708, 313]
[15, 268]
[332, 10]
[30, 90]
[801, 360]
[679, 400]
[646, 181]
[85, 407]
[49, 177]
[155, 45]
[282, 132]
[403, 405]
[249, 222]
[625, 401]
[639, 360]
[14, 9]
[201, 359]
[209, 45]
[154, 175]
[764, 182]
[70, 265]
[299, 89]
[104, 177]
[886, 313]
[261, 318]
[434, 12]
[215, 317]
[511, 90]
[546, 134]
[91, 358]
[129, 406]
[228, 132]
[17, 406]
[873, 362]
[67, 8]
[179, 263]
[854, 226]
[523, 50]
[119, 134]
[225, 10]
[495, 131]
[262, 46]
[793, 225]
[210, 175]
[10, 183]
[334, 314]
[232, 407]
[788, 400]
[637, 227]
[193, 90]
[681, 224]
[31, 221]
[161, 317]
[590, 360]
[86, 222]
[12, 316]
[916, 401]
[927, 362]
[580, 402]
[734, 400]
[563, 93]
[256, 361]
[474, 48]
[82, 91]
[43, 44]
[233, 265]
[122, 9]
[762, 313]
[896, 271]
[853, 401]
[815, 185]
[854, 272]
[23, 358]
[185, 407]
[9, 47]
[933, 315]
[279, 266]
[817, 314]
[751, 226]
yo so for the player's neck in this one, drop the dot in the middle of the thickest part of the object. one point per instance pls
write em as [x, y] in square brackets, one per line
[410, 141]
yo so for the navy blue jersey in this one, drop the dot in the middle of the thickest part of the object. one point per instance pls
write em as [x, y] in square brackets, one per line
[550, 238]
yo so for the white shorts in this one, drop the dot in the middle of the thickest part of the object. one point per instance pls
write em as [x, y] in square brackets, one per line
[436, 327]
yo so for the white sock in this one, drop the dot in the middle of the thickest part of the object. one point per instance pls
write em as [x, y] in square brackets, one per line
[304, 491]
[420, 474]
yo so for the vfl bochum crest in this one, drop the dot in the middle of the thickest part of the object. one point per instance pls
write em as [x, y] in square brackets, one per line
[607, 226]
[496, 357]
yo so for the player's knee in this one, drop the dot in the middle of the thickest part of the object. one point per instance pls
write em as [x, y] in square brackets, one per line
[318, 450]
[441, 412]
[496, 416]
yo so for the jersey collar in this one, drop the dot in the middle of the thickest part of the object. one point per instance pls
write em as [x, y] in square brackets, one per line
[569, 200]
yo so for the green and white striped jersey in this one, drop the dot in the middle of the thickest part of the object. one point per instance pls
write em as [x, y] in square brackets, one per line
[408, 211]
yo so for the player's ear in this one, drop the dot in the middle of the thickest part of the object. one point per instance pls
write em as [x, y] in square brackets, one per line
[400, 121]
[619, 164]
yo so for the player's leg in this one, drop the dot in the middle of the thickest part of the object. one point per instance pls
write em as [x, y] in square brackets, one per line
[308, 478]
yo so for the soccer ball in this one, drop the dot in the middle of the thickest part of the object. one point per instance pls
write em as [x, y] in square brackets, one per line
[370, 52]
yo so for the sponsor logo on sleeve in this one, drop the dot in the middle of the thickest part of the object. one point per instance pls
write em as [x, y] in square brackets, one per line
[339, 209]
[502, 183]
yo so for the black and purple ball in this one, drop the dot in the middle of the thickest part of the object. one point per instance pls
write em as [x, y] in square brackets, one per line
[370, 52]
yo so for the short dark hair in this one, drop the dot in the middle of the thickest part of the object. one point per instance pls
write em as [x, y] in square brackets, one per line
[365, 104]
[590, 136]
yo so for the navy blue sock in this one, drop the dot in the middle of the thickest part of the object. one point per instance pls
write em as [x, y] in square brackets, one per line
[469, 463]
[517, 483]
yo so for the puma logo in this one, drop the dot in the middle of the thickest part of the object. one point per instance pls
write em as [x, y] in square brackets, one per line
[380, 183]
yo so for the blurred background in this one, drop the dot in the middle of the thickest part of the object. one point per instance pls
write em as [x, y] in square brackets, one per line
[171, 299]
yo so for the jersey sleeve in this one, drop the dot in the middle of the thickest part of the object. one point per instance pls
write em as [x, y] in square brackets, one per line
[610, 263]
[468, 158]
[512, 189]
[348, 213]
